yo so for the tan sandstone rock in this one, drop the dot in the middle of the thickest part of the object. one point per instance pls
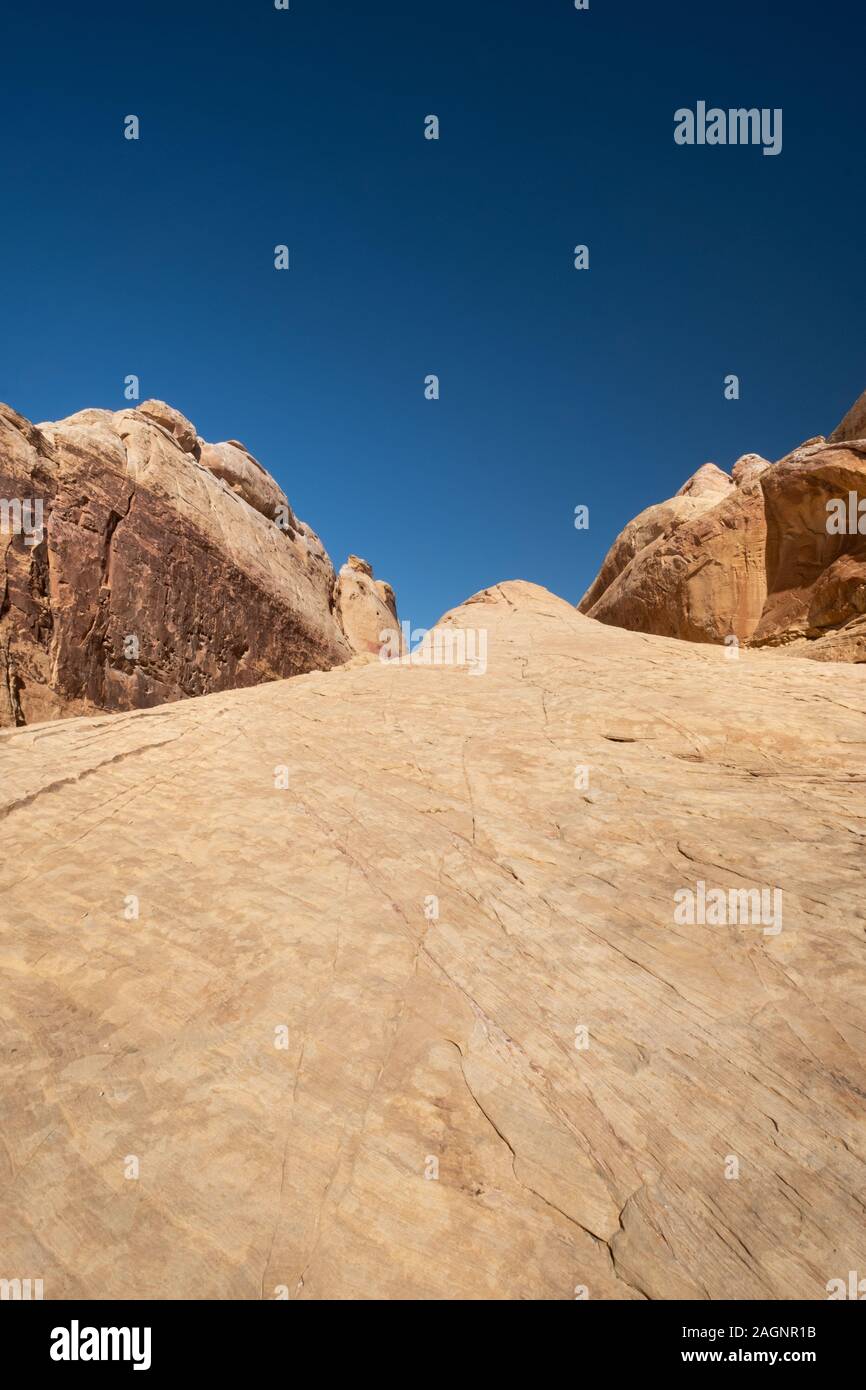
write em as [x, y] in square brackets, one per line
[854, 424]
[698, 494]
[366, 609]
[754, 561]
[415, 1019]
[167, 567]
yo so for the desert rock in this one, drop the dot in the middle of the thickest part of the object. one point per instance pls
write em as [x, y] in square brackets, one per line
[854, 424]
[753, 559]
[375, 975]
[166, 567]
[698, 494]
[366, 608]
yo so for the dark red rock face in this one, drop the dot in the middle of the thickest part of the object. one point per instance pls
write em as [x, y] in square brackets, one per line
[133, 596]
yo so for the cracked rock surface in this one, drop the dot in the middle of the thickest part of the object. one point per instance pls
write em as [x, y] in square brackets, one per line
[750, 556]
[168, 567]
[386, 1002]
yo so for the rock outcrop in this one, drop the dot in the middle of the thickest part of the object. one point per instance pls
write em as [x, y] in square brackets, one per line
[164, 567]
[754, 557]
[416, 1018]
[699, 494]
[854, 424]
[366, 608]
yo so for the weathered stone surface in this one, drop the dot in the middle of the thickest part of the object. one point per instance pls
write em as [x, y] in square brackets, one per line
[700, 493]
[710, 481]
[246, 477]
[176, 424]
[816, 581]
[854, 424]
[748, 468]
[754, 560]
[421, 1033]
[700, 577]
[366, 607]
[168, 567]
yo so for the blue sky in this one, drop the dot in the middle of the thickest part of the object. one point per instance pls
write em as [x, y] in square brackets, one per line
[454, 257]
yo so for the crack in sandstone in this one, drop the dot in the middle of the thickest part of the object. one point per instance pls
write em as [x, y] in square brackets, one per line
[598, 1240]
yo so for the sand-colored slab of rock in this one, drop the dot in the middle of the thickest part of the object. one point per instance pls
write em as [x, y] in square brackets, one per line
[376, 976]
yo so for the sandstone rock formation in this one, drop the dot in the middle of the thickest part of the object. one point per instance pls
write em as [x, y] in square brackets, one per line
[421, 1023]
[854, 424]
[365, 607]
[167, 567]
[698, 495]
[750, 556]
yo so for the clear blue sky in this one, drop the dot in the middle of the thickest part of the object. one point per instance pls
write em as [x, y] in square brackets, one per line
[412, 257]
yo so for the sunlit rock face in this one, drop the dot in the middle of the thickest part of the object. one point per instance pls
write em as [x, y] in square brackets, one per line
[366, 608]
[761, 556]
[164, 567]
[380, 980]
